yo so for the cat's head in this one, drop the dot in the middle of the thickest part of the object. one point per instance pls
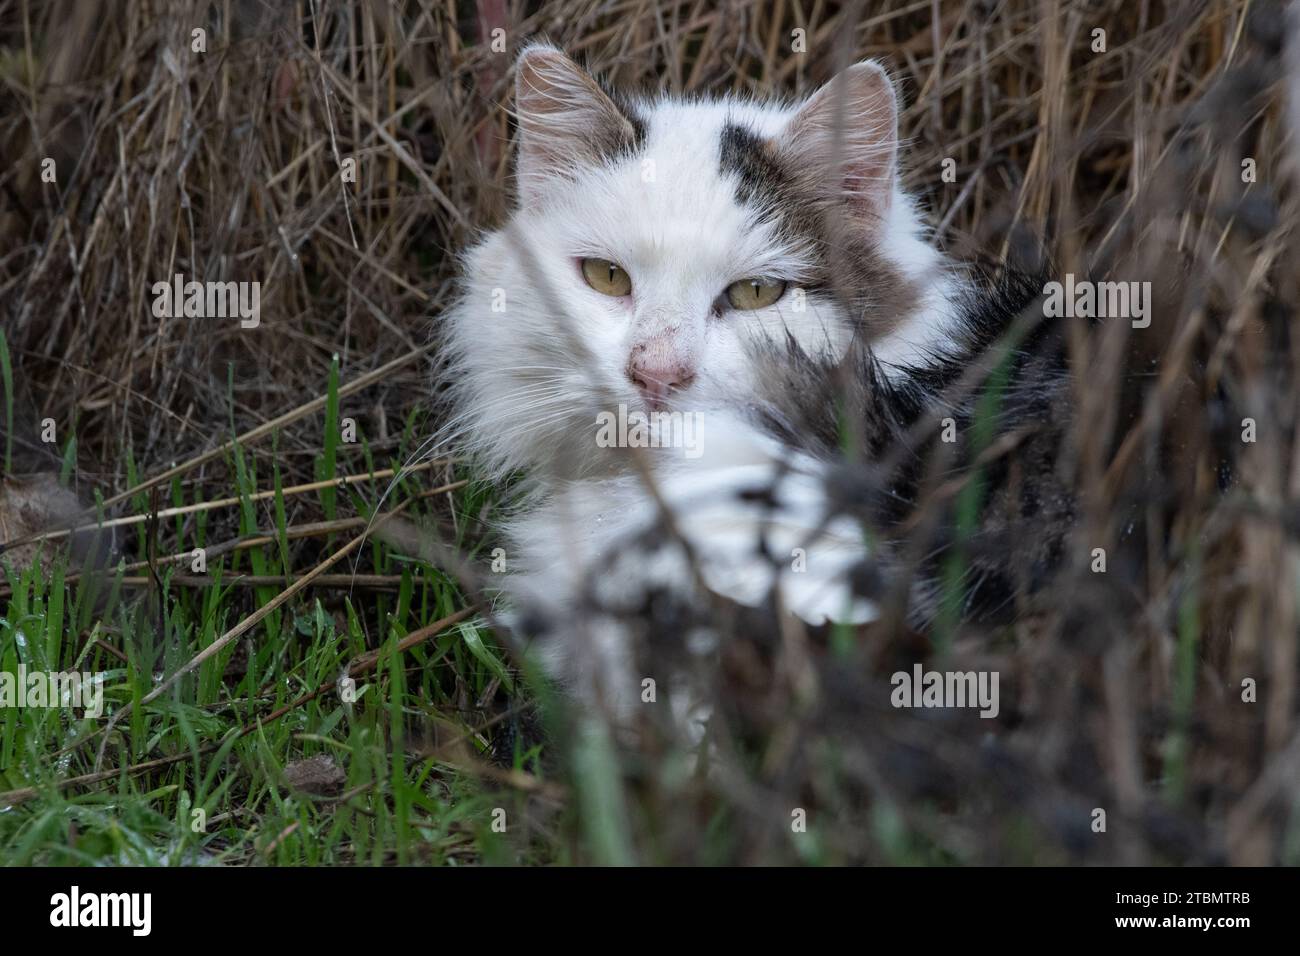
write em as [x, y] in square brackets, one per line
[657, 239]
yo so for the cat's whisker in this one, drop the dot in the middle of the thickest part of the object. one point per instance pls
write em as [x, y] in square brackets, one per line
[426, 450]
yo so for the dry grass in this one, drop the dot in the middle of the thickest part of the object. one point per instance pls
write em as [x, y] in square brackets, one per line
[223, 166]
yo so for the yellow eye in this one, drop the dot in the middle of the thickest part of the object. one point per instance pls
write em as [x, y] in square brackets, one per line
[754, 293]
[606, 277]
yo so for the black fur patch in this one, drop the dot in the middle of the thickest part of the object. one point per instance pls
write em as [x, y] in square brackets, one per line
[627, 141]
[869, 288]
[1026, 510]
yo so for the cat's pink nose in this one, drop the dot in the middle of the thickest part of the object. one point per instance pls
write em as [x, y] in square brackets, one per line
[656, 381]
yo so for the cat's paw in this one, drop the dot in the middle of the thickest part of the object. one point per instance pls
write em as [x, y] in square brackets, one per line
[756, 530]
[611, 565]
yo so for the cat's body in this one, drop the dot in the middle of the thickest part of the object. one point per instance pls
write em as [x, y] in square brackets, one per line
[695, 215]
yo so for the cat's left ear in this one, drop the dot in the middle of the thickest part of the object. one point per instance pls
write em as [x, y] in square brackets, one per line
[846, 138]
[566, 121]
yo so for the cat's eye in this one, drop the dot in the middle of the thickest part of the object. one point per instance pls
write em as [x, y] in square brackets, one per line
[607, 278]
[750, 294]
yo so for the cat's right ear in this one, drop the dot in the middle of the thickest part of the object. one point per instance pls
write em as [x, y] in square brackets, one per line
[566, 122]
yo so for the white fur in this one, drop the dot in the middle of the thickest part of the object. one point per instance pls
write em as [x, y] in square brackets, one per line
[530, 380]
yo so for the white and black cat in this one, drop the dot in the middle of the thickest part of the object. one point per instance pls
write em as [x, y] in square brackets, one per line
[749, 283]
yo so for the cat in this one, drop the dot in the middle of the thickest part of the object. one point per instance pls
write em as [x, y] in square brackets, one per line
[716, 343]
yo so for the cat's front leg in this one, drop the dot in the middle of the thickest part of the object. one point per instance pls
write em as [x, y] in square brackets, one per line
[614, 572]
